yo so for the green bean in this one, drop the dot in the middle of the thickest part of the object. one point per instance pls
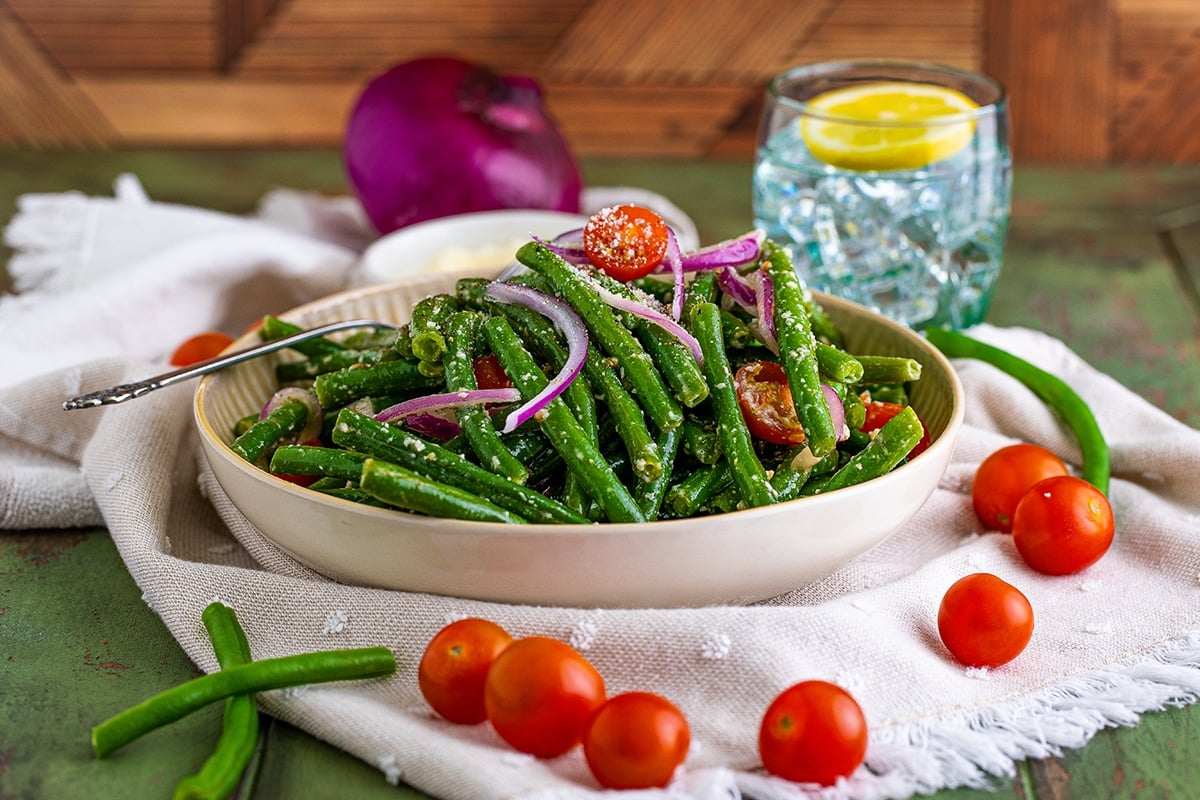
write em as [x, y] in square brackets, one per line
[462, 334]
[273, 328]
[577, 449]
[355, 495]
[797, 351]
[328, 483]
[852, 406]
[644, 379]
[687, 497]
[258, 676]
[702, 289]
[286, 419]
[411, 491]
[239, 731]
[887, 448]
[427, 327]
[309, 368]
[675, 362]
[626, 416]
[731, 425]
[650, 494]
[838, 365]
[1052, 390]
[738, 334]
[334, 389]
[301, 459]
[362, 433]
[796, 468]
[700, 441]
[540, 334]
[888, 369]
[244, 424]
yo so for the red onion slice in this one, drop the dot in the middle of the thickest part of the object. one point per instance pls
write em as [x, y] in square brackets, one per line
[729, 253]
[567, 321]
[738, 288]
[654, 316]
[314, 418]
[837, 412]
[765, 300]
[675, 263]
[432, 403]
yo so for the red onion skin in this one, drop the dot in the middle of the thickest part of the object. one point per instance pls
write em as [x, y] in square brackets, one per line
[439, 136]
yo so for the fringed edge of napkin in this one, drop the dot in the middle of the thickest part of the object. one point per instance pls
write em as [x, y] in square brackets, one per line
[973, 748]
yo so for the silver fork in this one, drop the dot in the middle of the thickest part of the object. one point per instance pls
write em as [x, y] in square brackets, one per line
[129, 391]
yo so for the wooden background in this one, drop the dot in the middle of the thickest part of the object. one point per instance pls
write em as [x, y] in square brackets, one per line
[1091, 81]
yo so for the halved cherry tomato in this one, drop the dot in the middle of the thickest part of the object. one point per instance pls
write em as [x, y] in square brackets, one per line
[879, 412]
[813, 732]
[1005, 476]
[200, 347]
[539, 694]
[489, 374]
[636, 740]
[626, 241]
[1063, 525]
[984, 621]
[766, 401]
[455, 665]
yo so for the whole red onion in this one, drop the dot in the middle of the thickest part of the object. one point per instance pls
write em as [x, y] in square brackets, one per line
[439, 136]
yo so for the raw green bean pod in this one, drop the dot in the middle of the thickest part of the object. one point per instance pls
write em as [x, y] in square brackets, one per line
[257, 676]
[220, 774]
[797, 350]
[735, 439]
[1066, 403]
[838, 365]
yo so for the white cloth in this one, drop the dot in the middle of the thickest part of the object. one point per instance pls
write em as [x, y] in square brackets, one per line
[1110, 643]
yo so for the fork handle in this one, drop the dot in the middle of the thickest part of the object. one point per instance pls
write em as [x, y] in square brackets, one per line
[130, 391]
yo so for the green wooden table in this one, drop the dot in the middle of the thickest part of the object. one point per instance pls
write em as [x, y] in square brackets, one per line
[1106, 259]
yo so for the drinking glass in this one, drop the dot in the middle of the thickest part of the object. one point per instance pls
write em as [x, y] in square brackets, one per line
[906, 217]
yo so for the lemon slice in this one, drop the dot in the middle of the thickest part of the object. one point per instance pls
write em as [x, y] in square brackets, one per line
[903, 125]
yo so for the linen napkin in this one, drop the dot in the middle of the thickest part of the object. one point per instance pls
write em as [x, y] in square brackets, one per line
[1111, 643]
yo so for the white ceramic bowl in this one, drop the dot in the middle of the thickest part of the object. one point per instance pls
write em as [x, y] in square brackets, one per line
[731, 558]
[479, 243]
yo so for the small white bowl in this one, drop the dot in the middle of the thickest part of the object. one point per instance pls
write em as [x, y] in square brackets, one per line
[479, 243]
[732, 558]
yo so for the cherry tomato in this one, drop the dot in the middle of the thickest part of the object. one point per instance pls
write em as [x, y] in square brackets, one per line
[489, 374]
[1062, 525]
[455, 665]
[813, 732]
[200, 347]
[626, 241]
[636, 740]
[983, 621]
[1005, 476]
[539, 694]
[879, 412]
[766, 401]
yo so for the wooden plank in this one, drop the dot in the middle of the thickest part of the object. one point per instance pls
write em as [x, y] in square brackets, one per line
[39, 107]
[1060, 102]
[114, 35]
[238, 22]
[223, 112]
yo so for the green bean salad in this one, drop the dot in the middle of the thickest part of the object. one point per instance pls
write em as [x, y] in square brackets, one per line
[574, 393]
